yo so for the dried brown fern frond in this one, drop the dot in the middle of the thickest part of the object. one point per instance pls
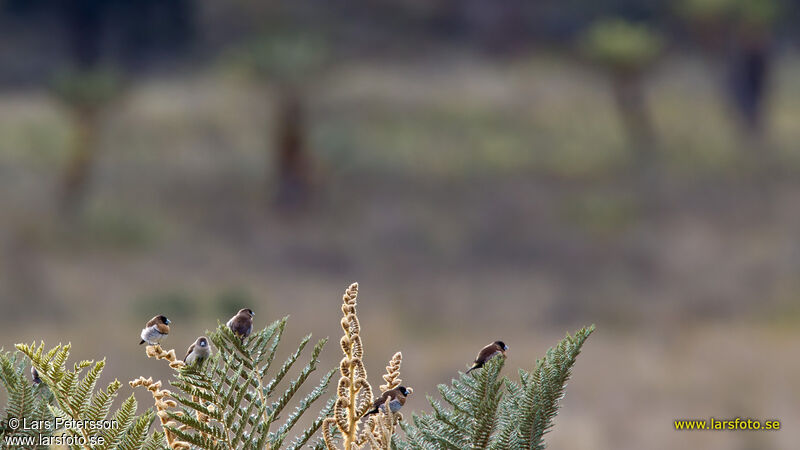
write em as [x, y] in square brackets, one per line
[155, 351]
[382, 425]
[381, 428]
[392, 376]
[354, 394]
[163, 403]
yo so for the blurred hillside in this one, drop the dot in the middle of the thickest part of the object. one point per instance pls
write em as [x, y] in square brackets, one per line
[473, 166]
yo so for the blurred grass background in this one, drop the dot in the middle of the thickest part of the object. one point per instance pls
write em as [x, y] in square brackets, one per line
[477, 186]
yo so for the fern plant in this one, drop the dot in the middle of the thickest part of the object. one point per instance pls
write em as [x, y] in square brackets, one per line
[228, 402]
[25, 400]
[486, 411]
[77, 404]
[238, 399]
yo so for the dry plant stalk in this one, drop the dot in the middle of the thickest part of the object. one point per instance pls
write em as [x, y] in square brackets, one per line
[382, 424]
[354, 394]
[392, 376]
[155, 351]
[161, 396]
[163, 404]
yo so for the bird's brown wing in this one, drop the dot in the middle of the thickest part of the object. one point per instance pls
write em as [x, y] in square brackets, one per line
[152, 322]
[380, 400]
[486, 353]
[162, 328]
[188, 352]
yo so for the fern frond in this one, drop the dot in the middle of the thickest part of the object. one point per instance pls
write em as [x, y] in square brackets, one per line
[101, 403]
[288, 364]
[136, 434]
[544, 387]
[226, 401]
[80, 400]
[74, 397]
[309, 432]
[483, 410]
[24, 400]
[472, 412]
[302, 407]
[155, 441]
[123, 417]
[294, 386]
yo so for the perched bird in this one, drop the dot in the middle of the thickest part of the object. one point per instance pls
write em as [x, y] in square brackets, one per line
[242, 323]
[486, 353]
[198, 352]
[398, 396]
[35, 375]
[155, 330]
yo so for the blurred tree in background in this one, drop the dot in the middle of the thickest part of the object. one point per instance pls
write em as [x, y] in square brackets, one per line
[100, 39]
[286, 62]
[626, 50]
[740, 32]
[86, 93]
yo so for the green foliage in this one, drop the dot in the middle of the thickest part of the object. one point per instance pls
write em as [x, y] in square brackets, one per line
[534, 400]
[227, 402]
[747, 12]
[485, 411]
[758, 13]
[86, 90]
[75, 400]
[284, 57]
[705, 10]
[621, 45]
[25, 399]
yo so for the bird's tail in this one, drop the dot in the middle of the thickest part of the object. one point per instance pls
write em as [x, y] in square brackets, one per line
[141, 342]
[471, 369]
[368, 413]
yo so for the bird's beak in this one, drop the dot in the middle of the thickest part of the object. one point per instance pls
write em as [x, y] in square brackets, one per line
[169, 321]
[410, 390]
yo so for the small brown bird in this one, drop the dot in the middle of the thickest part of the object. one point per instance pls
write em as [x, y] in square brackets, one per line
[242, 323]
[155, 330]
[35, 375]
[198, 352]
[487, 353]
[398, 399]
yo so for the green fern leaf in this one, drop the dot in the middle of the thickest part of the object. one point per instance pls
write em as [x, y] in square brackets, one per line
[232, 389]
[486, 411]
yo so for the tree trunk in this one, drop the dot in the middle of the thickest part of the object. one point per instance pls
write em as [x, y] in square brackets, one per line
[750, 66]
[77, 174]
[635, 115]
[292, 168]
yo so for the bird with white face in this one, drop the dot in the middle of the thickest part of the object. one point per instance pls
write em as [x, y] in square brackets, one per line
[198, 352]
